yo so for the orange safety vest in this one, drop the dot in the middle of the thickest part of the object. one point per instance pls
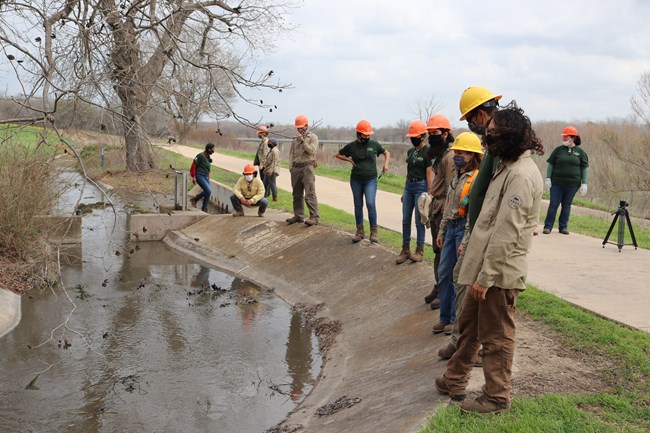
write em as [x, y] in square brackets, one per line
[462, 205]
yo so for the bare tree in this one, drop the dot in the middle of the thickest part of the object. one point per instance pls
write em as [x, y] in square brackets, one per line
[641, 101]
[95, 50]
[425, 108]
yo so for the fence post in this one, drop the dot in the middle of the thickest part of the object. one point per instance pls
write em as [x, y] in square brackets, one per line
[180, 190]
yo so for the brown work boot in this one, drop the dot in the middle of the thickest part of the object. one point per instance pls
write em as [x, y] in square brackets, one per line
[373, 234]
[418, 255]
[447, 351]
[448, 329]
[404, 255]
[238, 213]
[193, 201]
[275, 198]
[483, 406]
[359, 235]
[443, 388]
[311, 222]
[431, 296]
[435, 305]
[440, 327]
[294, 219]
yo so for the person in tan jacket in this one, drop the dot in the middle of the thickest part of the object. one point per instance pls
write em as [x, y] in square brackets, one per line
[495, 264]
[302, 162]
[272, 169]
[248, 191]
[260, 153]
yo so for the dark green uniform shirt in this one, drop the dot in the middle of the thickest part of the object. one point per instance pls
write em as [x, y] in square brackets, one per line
[417, 163]
[568, 165]
[480, 186]
[364, 157]
[203, 164]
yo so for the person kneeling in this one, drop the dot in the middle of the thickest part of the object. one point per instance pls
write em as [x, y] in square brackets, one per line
[249, 191]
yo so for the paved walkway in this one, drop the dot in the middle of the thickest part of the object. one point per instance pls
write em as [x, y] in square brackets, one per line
[576, 268]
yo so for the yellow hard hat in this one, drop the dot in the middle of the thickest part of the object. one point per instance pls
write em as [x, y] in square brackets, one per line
[469, 142]
[474, 96]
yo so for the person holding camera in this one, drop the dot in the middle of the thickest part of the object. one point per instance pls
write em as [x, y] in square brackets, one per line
[566, 174]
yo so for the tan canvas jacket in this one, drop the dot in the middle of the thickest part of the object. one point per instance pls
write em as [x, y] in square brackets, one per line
[303, 152]
[272, 161]
[503, 234]
[254, 194]
[443, 172]
[261, 151]
[452, 201]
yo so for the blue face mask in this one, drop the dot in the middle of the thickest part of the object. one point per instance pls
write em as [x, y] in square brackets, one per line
[459, 161]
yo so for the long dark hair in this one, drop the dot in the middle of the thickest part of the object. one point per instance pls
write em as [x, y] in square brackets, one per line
[473, 163]
[513, 134]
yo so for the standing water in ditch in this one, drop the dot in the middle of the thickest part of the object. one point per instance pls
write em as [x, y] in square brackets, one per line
[152, 342]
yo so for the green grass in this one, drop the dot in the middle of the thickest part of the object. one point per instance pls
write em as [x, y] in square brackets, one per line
[29, 137]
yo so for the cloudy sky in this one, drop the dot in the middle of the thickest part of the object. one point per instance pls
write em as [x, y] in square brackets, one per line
[375, 59]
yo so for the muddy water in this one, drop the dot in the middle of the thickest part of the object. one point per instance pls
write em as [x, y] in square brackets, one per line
[145, 340]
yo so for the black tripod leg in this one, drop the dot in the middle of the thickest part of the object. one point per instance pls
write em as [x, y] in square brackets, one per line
[629, 224]
[609, 232]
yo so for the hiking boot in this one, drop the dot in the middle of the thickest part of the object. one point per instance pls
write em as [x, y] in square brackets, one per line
[311, 222]
[238, 213]
[193, 201]
[447, 351]
[440, 327]
[418, 255]
[484, 406]
[294, 219]
[435, 304]
[546, 231]
[275, 198]
[260, 214]
[373, 235]
[443, 388]
[564, 231]
[448, 329]
[359, 235]
[431, 296]
[404, 255]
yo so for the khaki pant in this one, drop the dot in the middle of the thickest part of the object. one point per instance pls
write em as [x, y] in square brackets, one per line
[492, 324]
[460, 290]
[303, 183]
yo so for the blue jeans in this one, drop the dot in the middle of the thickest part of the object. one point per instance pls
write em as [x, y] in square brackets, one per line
[560, 195]
[366, 188]
[204, 183]
[412, 191]
[448, 259]
[238, 207]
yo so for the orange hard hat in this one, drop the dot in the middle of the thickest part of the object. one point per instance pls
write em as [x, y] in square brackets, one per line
[249, 169]
[364, 128]
[262, 128]
[416, 128]
[438, 121]
[570, 130]
[301, 121]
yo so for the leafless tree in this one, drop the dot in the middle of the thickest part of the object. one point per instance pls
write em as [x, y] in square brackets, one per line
[425, 108]
[100, 51]
[641, 101]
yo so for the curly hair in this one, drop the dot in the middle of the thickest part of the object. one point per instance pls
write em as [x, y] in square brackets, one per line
[513, 134]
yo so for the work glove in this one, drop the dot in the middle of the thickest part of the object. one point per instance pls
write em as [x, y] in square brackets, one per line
[583, 189]
[547, 184]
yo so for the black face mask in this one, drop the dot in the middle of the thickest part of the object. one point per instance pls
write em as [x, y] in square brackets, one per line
[435, 140]
[270, 146]
[362, 140]
[416, 141]
[476, 128]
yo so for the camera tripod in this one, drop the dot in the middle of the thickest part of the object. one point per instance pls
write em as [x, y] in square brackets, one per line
[623, 217]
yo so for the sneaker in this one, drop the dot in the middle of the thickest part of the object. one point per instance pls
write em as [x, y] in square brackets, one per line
[546, 231]
[443, 388]
[483, 406]
[447, 351]
[238, 214]
[293, 220]
[564, 231]
[439, 327]
[311, 222]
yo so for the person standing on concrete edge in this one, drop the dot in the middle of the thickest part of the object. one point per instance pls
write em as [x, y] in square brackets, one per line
[566, 174]
[260, 154]
[302, 162]
[419, 176]
[439, 130]
[271, 169]
[362, 154]
[248, 191]
[495, 264]
[200, 173]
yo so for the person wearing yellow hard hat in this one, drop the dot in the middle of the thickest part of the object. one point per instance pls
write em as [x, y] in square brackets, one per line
[362, 154]
[566, 174]
[495, 264]
[302, 162]
[467, 158]
[249, 192]
[260, 154]
[419, 175]
[439, 132]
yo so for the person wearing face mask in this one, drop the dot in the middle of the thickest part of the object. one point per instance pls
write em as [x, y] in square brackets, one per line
[362, 154]
[302, 162]
[495, 264]
[467, 158]
[439, 131]
[248, 191]
[566, 174]
[271, 169]
[260, 154]
[200, 173]
[419, 176]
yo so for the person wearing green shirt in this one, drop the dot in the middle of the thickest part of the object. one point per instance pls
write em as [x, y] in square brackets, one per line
[200, 173]
[362, 154]
[566, 174]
